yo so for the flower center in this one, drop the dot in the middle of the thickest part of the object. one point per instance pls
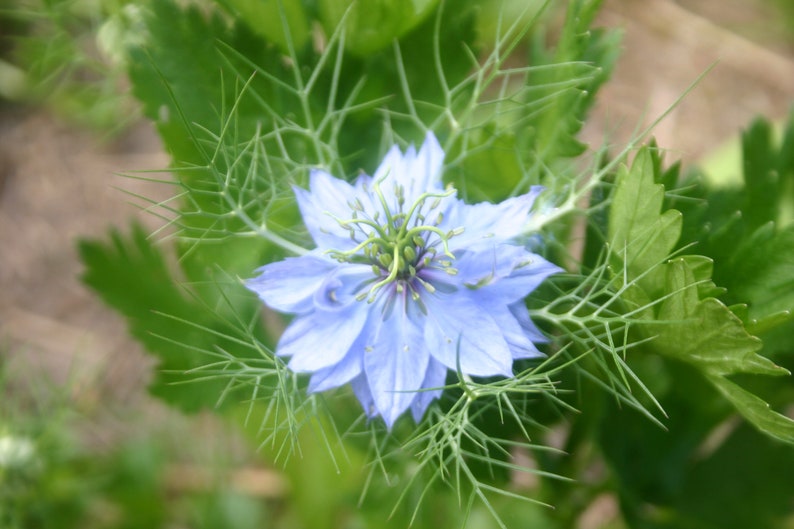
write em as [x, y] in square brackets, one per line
[402, 243]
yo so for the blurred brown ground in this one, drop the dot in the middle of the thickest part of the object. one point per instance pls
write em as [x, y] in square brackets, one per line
[57, 183]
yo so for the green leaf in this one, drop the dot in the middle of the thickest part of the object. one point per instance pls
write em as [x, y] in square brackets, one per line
[767, 170]
[685, 325]
[705, 332]
[746, 230]
[182, 94]
[555, 129]
[131, 275]
[756, 410]
[689, 477]
[269, 18]
[492, 172]
[763, 270]
[641, 237]
[372, 25]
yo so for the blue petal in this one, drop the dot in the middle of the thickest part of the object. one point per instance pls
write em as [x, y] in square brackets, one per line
[340, 287]
[396, 363]
[342, 372]
[485, 221]
[459, 331]
[360, 386]
[322, 338]
[435, 378]
[517, 338]
[489, 263]
[328, 199]
[519, 312]
[417, 173]
[525, 278]
[290, 285]
[390, 165]
[504, 271]
[424, 170]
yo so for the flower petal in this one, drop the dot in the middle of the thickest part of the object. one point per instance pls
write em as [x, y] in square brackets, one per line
[458, 332]
[486, 221]
[327, 199]
[506, 272]
[424, 170]
[322, 338]
[519, 312]
[489, 264]
[340, 287]
[417, 172]
[349, 367]
[360, 386]
[396, 363]
[520, 342]
[435, 378]
[289, 285]
[390, 165]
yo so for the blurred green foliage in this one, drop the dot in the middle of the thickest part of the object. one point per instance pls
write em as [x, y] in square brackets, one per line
[55, 476]
[686, 286]
[69, 55]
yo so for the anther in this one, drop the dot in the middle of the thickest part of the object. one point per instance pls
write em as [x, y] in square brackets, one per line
[430, 288]
[385, 259]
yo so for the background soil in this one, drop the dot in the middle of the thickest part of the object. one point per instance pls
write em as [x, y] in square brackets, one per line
[58, 183]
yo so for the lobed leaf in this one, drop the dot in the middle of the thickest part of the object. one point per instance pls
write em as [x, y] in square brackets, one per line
[699, 331]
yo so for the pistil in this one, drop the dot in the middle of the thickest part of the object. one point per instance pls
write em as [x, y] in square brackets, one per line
[396, 250]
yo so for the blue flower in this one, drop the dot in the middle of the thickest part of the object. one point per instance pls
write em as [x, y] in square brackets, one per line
[407, 282]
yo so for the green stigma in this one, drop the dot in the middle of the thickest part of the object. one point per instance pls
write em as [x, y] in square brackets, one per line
[401, 245]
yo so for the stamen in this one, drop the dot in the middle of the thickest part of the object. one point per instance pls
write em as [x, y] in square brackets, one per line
[401, 245]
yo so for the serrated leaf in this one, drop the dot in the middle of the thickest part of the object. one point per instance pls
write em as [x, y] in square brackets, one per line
[269, 18]
[640, 236]
[556, 128]
[131, 276]
[702, 268]
[180, 93]
[706, 333]
[492, 173]
[747, 231]
[371, 26]
[702, 332]
[756, 410]
[763, 271]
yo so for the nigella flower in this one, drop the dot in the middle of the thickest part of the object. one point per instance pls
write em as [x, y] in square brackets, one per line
[407, 282]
